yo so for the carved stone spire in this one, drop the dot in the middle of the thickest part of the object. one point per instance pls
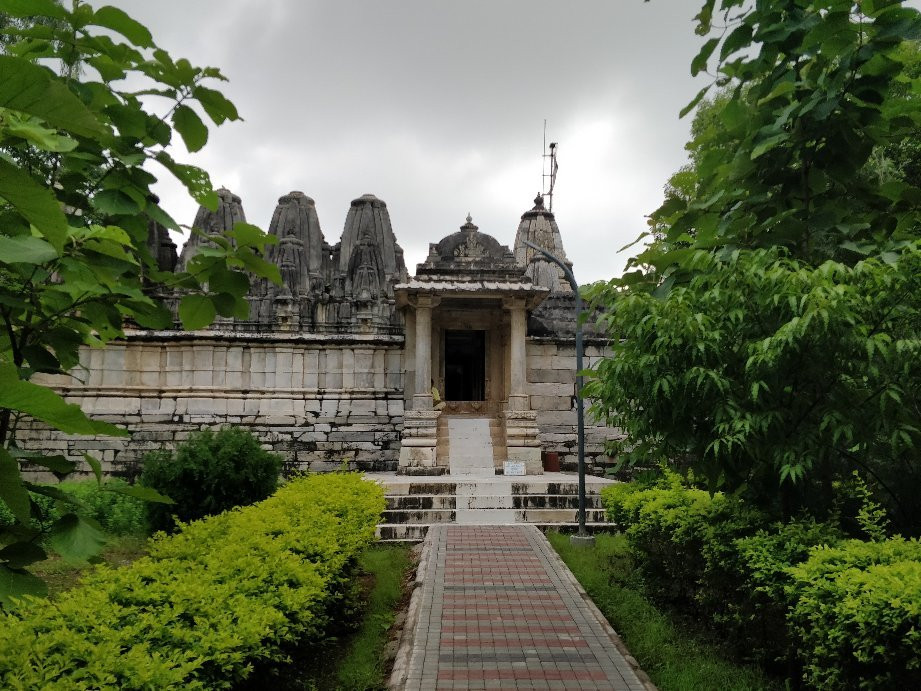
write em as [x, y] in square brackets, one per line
[368, 215]
[299, 252]
[161, 247]
[229, 211]
[539, 227]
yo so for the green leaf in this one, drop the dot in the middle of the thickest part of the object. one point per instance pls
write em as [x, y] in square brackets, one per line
[20, 554]
[25, 249]
[116, 20]
[31, 8]
[44, 404]
[115, 203]
[694, 101]
[59, 465]
[95, 466]
[248, 235]
[36, 203]
[30, 88]
[12, 491]
[15, 583]
[196, 312]
[767, 144]
[27, 128]
[216, 105]
[190, 127]
[236, 283]
[76, 539]
[41, 359]
[699, 63]
[139, 492]
[196, 180]
[54, 493]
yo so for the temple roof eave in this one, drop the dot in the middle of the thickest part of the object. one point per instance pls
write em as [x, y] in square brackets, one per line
[484, 289]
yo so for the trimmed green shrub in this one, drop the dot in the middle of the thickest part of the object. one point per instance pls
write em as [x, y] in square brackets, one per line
[681, 537]
[856, 612]
[755, 613]
[207, 604]
[209, 473]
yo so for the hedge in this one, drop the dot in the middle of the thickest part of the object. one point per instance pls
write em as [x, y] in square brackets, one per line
[207, 603]
[857, 609]
[838, 613]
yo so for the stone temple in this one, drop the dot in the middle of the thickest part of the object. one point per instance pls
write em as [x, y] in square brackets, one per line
[338, 363]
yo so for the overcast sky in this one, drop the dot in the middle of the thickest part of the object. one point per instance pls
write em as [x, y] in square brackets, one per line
[438, 108]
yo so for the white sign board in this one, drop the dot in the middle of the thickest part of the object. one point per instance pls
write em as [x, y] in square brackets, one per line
[514, 468]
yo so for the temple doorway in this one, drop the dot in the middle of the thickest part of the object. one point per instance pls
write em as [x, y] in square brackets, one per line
[465, 365]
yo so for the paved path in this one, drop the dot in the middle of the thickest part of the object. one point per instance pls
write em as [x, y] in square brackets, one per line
[500, 610]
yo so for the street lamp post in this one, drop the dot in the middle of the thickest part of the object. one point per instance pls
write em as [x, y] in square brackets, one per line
[582, 537]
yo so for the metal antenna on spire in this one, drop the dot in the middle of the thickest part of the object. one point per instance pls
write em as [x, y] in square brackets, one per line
[548, 172]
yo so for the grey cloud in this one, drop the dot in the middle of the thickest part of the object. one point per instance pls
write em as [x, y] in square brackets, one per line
[438, 107]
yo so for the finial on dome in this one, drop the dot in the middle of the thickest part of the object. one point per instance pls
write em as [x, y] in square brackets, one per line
[538, 201]
[468, 227]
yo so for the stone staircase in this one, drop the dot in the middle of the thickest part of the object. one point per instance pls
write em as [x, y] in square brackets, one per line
[473, 445]
[549, 501]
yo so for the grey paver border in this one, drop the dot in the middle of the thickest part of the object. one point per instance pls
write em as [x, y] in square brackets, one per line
[602, 620]
[410, 628]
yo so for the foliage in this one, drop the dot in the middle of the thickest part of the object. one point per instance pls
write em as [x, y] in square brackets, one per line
[676, 659]
[209, 473]
[682, 538]
[768, 336]
[755, 605]
[77, 151]
[795, 596]
[207, 603]
[857, 617]
[775, 378]
[116, 512]
[810, 90]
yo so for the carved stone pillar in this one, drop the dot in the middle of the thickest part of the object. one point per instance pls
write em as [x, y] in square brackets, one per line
[518, 365]
[419, 441]
[422, 395]
[520, 421]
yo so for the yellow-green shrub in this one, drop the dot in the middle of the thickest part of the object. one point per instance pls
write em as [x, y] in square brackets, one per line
[856, 610]
[208, 603]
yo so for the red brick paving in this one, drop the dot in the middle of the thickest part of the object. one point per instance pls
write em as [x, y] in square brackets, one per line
[498, 612]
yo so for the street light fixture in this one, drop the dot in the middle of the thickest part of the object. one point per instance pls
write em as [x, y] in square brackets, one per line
[582, 537]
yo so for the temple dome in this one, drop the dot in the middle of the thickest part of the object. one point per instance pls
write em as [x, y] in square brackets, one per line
[469, 251]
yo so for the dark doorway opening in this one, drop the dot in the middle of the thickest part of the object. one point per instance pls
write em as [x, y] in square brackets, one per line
[465, 365]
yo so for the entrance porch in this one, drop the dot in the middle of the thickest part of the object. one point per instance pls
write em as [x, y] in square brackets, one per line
[466, 316]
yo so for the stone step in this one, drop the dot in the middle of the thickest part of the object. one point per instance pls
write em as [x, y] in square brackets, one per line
[420, 516]
[408, 502]
[411, 487]
[415, 532]
[488, 516]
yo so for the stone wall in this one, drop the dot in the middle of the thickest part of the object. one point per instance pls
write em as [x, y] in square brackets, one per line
[551, 387]
[319, 400]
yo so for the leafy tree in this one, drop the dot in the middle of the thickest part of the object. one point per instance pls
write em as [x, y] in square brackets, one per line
[768, 336]
[77, 155]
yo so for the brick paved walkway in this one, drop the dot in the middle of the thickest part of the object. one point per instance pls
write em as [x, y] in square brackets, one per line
[499, 610]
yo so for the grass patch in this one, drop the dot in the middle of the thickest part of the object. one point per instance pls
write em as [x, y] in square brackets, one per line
[60, 575]
[364, 667]
[672, 656]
